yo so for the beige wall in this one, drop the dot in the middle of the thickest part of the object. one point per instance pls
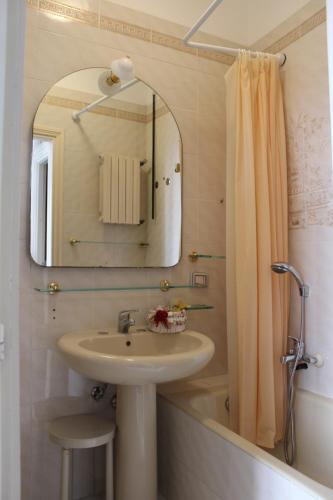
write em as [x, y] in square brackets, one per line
[311, 196]
[193, 87]
[191, 82]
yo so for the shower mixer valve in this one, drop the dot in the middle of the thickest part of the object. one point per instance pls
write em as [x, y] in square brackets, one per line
[297, 353]
[295, 359]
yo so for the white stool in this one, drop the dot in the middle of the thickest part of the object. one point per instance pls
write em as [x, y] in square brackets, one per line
[78, 432]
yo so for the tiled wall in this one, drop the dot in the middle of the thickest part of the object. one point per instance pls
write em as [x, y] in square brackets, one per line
[311, 197]
[191, 82]
[193, 87]
[196, 463]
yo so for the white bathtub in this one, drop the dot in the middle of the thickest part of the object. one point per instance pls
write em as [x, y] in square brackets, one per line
[201, 459]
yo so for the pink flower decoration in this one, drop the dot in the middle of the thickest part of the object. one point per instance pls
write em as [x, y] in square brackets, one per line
[161, 316]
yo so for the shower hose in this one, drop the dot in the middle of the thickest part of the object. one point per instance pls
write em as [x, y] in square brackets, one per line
[289, 441]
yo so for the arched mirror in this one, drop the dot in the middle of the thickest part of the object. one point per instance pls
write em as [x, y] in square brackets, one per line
[105, 176]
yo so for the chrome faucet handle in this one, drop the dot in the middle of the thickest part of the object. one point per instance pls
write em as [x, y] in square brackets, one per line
[126, 313]
[125, 320]
[287, 358]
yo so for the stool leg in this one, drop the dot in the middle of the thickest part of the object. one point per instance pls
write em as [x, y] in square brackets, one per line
[109, 470]
[66, 475]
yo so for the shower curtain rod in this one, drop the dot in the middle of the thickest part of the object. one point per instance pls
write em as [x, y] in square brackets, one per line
[224, 50]
[92, 105]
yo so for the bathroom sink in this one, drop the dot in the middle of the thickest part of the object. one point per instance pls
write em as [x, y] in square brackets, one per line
[136, 358]
[136, 362]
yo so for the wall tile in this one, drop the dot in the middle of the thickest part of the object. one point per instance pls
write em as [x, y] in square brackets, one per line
[56, 23]
[212, 102]
[122, 13]
[192, 86]
[56, 46]
[177, 85]
[211, 135]
[211, 460]
[178, 483]
[110, 36]
[211, 178]
[311, 194]
[164, 48]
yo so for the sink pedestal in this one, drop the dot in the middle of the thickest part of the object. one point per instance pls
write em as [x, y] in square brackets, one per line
[136, 362]
[136, 473]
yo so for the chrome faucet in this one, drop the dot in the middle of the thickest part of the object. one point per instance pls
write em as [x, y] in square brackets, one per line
[125, 321]
[287, 358]
[296, 353]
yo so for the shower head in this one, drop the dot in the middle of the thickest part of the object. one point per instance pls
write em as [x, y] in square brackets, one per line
[284, 267]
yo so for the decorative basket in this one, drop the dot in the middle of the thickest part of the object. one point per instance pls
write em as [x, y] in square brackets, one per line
[162, 320]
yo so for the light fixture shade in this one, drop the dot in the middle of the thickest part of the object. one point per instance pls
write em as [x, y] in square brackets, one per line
[103, 85]
[123, 68]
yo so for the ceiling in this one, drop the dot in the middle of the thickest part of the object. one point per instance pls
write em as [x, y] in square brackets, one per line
[240, 21]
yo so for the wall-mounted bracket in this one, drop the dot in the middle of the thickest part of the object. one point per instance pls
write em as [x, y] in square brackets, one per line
[164, 285]
[53, 287]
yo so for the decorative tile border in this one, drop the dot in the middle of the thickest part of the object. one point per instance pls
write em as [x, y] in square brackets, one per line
[137, 32]
[216, 56]
[69, 12]
[172, 42]
[310, 190]
[297, 33]
[92, 18]
[63, 102]
[32, 3]
[163, 110]
[132, 30]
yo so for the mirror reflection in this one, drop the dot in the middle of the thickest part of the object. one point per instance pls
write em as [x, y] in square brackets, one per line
[105, 176]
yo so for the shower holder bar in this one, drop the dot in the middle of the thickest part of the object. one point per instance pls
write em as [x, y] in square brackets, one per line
[233, 52]
[76, 115]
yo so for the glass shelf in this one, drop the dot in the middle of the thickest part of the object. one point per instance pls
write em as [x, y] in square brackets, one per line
[74, 242]
[164, 286]
[194, 256]
[198, 307]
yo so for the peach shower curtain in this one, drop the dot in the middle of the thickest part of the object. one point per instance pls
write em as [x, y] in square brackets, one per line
[257, 235]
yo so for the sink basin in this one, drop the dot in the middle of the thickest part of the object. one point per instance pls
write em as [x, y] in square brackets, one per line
[136, 361]
[137, 357]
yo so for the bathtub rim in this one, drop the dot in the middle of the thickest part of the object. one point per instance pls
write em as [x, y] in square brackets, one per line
[172, 394]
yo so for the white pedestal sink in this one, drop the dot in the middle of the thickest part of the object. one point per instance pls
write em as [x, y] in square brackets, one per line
[136, 362]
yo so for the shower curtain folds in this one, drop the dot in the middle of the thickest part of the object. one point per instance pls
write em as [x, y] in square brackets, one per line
[257, 235]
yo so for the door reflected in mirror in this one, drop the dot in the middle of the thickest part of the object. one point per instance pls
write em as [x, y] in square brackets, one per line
[105, 185]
